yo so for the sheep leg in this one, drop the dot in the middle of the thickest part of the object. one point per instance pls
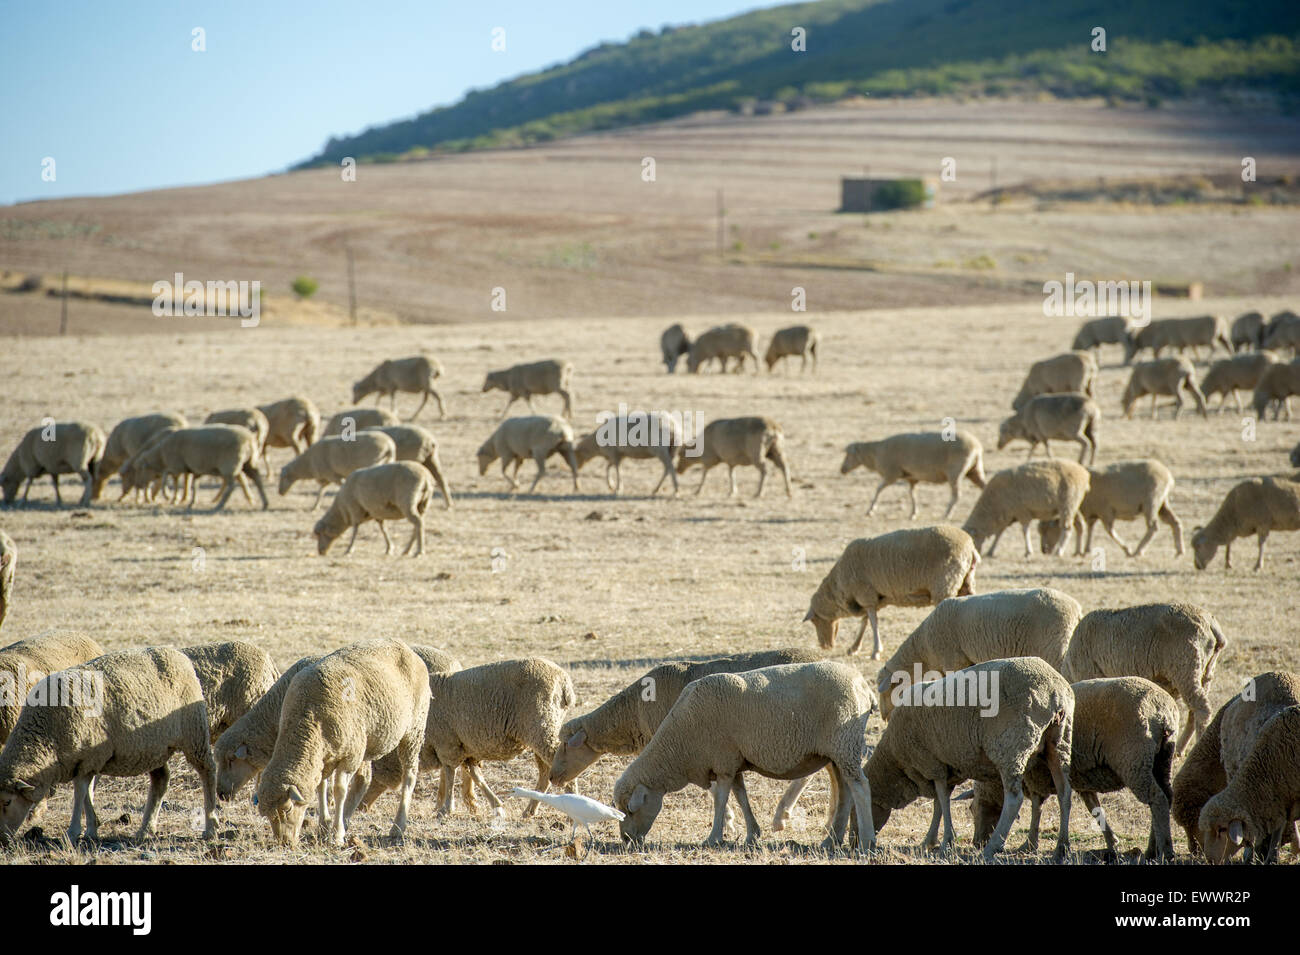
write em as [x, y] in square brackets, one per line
[320, 493]
[446, 788]
[423, 402]
[721, 793]
[157, 789]
[1166, 514]
[840, 810]
[883, 484]
[955, 483]
[82, 791]
[408, 754]
[227, 488]
[243, 486]
[752, 832]
[1146, 538]
[513, 399]
[543, 781]
[854, 780]
[1029, 546]
[994, 546]
[791, 795]
[1110, 529]
[1094, 806]
[199, 756]
[59, 497]
[339, 786]
[1153, 407]
[323, 816]
[528, 400]
[493, 801]
[353, 539]
[704, 473]
[541, 470]
[1178, 405]
[417, 535]
[1035, 816]
[89, 483]
[388, 543]
[442, 408]
[943, 796]
[728, 825]
[762, 476]
[731, 476]
[1061, 779]
[911, 492]
[1259, 561]
[609, 477]
[572, 458]
[932, 834]
[568, 402]
[1013, 795]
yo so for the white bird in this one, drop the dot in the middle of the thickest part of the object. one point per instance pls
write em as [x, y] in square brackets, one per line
[580, 809]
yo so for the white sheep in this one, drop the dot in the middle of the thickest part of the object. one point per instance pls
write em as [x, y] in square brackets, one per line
[1248, 331]
[1066, 417]
[64, 447]
[234, 675]
[906, 568]
[1113, 330]
[1039, 490]
[637, 435]
[413, 375]
[1179, 333]
[1162, 377]
[534, 378]
[1259, 507]
[732, 340]
[355, 705]
[27, 662]
[673, 344]
[254, 419]
[131, 709]
[1232, 375]
[348, 423]
[985, 722]
[331, 460]
[534, 436]
[1276, 386]
[1074, 371]
[726, 724]
[8, 561]
[800, 340]
[736, 442]
[418, 444]
[1174, 645]
[126, 439]
[225, 450]
[1121, 492]
[148, 487]
[293, 422]
[385, 492]
[919, 458]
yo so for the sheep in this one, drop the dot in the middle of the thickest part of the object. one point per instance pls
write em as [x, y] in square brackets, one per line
[986, 722]
[801, 340]
[495, 712]
[673, 344]
[1039, 490]
[292, 423]
[1260, 803]
[536, 437]
[356, 705]
[905, 568]
[732, 340]
[1180, 333]
[1113, 330]
[1164, 376]
[1248, 331]
[1277, 384]
[1238, 373]
[1174, 645]
[418, 445]
[1258, 506]
[254, 419]
[536, 378]
[1122, 739]
[962, 631]
[226, 450]
[1225, 745]
[1123, 492]
[414, 375]
[1283, 331]
[149, 486]
[919, 458]
[234, 676]
[331, 460]
[636, 435]
[783, 722]
[735, 442]
[64, 447]
[1071, 372]
[125, 440]
[1068, 417]
[381, 493]
[8, 560]
[347, 423]
[132, 710]
[27, 662]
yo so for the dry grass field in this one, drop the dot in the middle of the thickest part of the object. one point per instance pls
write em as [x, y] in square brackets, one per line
[605, 586]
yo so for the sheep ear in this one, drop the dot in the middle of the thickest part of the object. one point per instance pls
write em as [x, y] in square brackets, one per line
[638, 798]
[577, 739]
[295, 796]
[242, 752]
[22, 786]
[1235, 834]
[808, 616]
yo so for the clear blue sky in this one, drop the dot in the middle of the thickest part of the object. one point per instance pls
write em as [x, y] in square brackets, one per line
[114, 94]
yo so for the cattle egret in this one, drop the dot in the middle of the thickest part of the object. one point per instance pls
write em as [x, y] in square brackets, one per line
[580, 809]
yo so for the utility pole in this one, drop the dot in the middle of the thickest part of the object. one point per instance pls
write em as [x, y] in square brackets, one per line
[352, 286]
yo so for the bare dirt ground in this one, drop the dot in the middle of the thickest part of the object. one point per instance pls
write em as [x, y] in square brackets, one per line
[606, 587]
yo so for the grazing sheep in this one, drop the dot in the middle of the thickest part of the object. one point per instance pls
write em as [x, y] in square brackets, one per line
[1277, 384]
[536, 437]
[1295, 456]
[355, 705]
[1039, 490]
[411, 375]
[331, 460]
[1121, 492]
[1248, 331]
[148, 705]
[535, 378]
[254, 419]
[1123, 739]
[1225, 744]
[225, 450]
[1238, 373]
[493, 713]
[149, 488]
[1260, 803]
[381, 493]
[801, 340]
[636, 435]
[736, 442]
[962, 631]
[1164, 376]
[234, 676]
[65, 447]
[986, 722]
[1174, 645]
[1258, 506]
[906, 568]
[1283, 331]
[27, 662]
[418, 445]
[673, 344]
[726, 724]
[732, 340]
[1179, 333]
[1092, 334]
[8, 559]
[126, 439]
[1072, 372]
[919, 458]
[358, 419]
[1067, 417]
[292, 423]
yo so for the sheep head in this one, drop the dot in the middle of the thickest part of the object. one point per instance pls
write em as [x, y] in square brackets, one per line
[586, 449]
[855, 456]
[486, 455]
[495, 380]
[16, 801]
[1203, 549]
[573, 756]
[1009, 430]
[640, 806]
[1049, 535]
[826, 626]
[1224, 830]
[233, 767]
[285, 807]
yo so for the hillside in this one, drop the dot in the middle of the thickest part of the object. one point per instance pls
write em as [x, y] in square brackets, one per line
[1155, 49]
